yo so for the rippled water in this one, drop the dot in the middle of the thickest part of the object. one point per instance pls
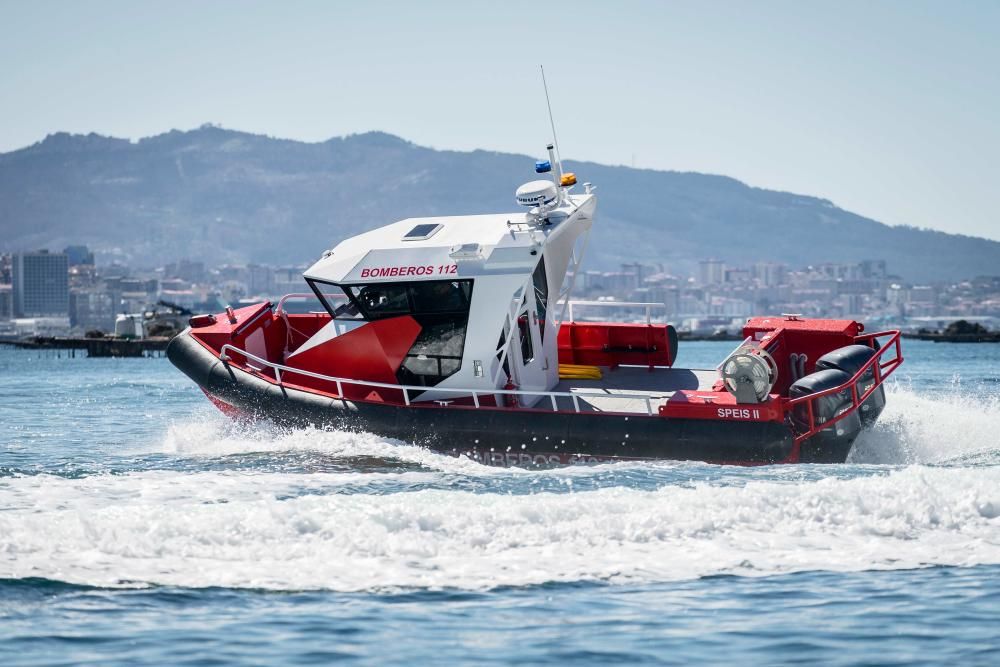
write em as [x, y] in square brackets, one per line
[137, 525]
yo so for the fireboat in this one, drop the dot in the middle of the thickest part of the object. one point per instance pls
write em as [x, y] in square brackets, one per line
[457, 333]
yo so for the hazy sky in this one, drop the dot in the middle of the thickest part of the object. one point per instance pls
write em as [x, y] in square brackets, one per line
[889, 109]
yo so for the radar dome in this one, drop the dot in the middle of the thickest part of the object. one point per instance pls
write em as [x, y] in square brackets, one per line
[537, 193]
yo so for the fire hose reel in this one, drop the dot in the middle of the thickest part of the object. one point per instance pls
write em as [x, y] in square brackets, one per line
[749, 373]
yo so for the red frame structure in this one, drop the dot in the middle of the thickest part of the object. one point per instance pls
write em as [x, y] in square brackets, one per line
[883, 369]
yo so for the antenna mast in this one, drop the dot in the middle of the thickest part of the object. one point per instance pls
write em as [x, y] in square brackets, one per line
[552, 122]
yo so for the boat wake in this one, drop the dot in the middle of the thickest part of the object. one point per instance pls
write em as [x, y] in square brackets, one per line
[440, 522]
[311, 509]
[950, 428]
[286, 532]
[216, 437]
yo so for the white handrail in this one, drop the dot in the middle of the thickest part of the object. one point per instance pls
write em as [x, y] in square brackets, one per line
[280, 308]
[648, 306]
[406, 389]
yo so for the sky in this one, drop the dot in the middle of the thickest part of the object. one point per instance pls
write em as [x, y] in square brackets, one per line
[888, 109]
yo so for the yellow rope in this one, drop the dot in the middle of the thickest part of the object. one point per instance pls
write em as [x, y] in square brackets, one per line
[579, 372]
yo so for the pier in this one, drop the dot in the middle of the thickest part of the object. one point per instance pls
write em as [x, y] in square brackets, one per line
[154, 346]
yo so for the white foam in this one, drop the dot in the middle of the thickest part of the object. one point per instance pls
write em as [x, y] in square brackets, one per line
[946, 427]
[214, 437]
[260, 530]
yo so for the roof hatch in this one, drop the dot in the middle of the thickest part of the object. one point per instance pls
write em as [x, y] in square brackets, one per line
[422, 232]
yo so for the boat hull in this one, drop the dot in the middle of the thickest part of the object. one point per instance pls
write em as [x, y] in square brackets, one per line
[498, 435]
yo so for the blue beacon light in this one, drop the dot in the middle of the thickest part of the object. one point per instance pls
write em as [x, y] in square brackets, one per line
[543, 167]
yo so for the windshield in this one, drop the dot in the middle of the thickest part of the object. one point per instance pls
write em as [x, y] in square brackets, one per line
[416, 298]
[335, 300]
[440, 307]
[381, 300]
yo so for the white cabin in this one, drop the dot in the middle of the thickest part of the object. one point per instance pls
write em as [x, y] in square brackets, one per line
[487, 289]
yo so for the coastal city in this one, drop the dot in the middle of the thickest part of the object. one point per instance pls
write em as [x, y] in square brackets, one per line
[520, 333]
[67, 292]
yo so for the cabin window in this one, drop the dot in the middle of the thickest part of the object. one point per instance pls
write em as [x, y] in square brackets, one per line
[524, 332]
[501, 347]
[541, 285]
[347, 311]
[436, 354]
[335, 301]
[381, 301]
[440, 307]
[441, 296]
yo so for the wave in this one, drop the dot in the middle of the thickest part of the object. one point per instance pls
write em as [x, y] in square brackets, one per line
[296, 532]
[947, 427]
[264, 507]
[219, 437]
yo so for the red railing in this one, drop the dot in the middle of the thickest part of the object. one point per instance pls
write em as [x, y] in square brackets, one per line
[881, 367]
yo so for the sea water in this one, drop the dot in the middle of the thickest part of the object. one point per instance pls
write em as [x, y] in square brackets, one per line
[140, 526]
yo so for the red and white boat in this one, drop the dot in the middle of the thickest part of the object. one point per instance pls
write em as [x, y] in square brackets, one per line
[450, 332]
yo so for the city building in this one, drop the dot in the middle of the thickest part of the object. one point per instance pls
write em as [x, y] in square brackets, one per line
[34, 295]
[79, 255]
[260, 279]
[6, 302]
[92, 309]
[769, 274]
[40, 284]
[711, 271]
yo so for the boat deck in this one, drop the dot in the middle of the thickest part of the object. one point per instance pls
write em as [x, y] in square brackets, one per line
[625, 388]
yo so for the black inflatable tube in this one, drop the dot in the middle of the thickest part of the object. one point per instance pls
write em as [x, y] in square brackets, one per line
[850, 359]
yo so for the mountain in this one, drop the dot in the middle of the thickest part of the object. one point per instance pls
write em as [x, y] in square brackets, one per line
[227, 196]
